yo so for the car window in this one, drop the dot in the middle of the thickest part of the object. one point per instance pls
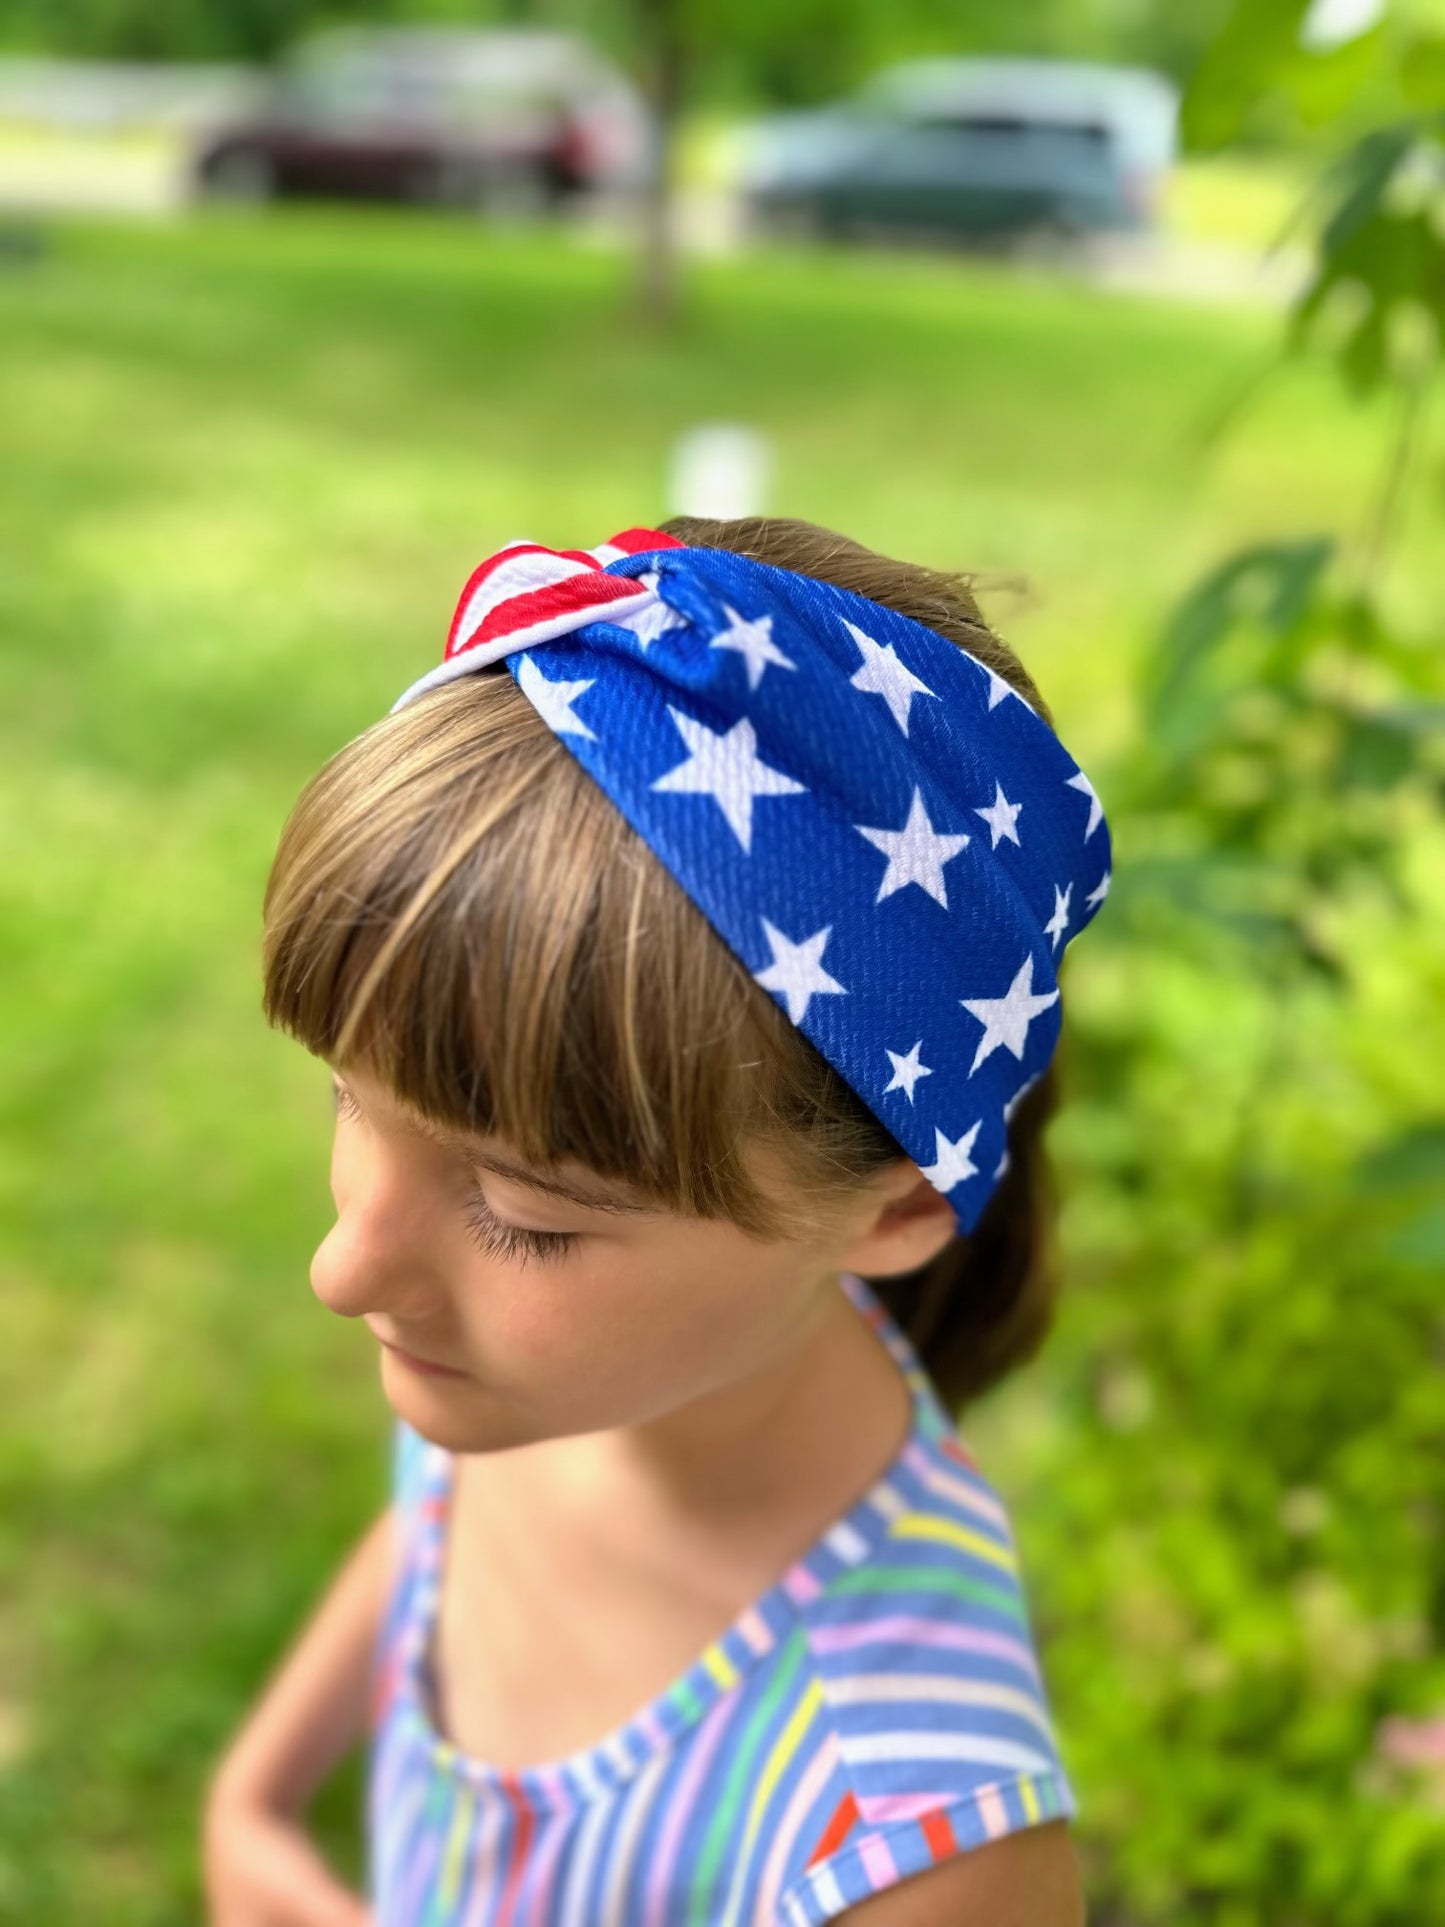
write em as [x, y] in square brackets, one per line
[337, 91]
[416, 94]
[1005, 128]
[1003, 151]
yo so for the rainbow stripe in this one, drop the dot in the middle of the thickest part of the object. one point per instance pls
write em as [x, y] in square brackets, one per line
[877, 1710]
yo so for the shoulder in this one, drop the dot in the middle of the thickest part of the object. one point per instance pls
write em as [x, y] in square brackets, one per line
[948, 1788]
[1027, 1879]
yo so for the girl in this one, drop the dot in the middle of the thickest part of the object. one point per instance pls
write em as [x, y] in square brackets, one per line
[683, 948]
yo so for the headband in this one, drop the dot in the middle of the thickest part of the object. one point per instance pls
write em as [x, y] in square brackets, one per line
[890, 838]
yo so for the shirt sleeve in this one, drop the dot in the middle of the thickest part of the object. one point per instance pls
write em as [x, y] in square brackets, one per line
[869, 1859]
[942, 1735]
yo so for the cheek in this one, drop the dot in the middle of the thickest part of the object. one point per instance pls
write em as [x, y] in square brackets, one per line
[553, 1323]
[622, 1329]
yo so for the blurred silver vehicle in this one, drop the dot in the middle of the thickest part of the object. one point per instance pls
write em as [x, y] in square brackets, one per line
[978, 150]
[495, 118]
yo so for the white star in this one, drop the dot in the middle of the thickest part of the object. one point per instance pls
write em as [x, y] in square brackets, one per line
[1058, 922]
[1100, 891]
[649, 623]
[1078, 781]
[954, 1164]
[553, 700]
[906, 1070]
[884, 675]
[998, 688]
[754, 640]
[916, 853]
[1001, 816]
[1006, 1019]
[726, 768]
[797, 969]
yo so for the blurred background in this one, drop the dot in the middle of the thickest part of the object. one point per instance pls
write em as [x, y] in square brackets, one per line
[1132, 308]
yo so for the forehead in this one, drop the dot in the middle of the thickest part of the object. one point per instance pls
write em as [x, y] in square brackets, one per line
[568, 1181]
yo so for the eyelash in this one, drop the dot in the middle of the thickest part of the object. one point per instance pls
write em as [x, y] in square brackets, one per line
[488, 1232]
[500, 1240]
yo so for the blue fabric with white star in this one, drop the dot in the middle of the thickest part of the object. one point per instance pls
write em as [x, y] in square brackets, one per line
[892, 841]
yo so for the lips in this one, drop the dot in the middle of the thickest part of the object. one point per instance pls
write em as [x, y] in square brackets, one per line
[428, 1367]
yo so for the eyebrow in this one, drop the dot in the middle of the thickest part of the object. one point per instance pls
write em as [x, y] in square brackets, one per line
[519, 1174]
[504, 1167]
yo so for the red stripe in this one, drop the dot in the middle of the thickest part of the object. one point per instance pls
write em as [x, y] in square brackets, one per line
[521, 1840]
[639, 541]
[384, 1685]
[942, 1841]
[630, 541]
[845, 1818]
[488, 567]
[484, 569]
[956, 1450]
[575, 594]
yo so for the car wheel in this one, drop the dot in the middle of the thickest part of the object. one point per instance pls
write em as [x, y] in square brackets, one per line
[239, 175]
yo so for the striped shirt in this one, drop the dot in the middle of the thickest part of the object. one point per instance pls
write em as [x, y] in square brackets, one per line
[877, 1710]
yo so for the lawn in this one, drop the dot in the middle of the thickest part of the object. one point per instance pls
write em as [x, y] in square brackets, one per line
[245, 465]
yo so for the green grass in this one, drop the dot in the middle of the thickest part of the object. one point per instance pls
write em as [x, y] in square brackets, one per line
[246, 467]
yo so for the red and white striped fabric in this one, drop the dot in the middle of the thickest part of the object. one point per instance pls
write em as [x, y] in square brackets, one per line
[526, 594]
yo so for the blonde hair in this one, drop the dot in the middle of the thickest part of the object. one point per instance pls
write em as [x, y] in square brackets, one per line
[457, 906]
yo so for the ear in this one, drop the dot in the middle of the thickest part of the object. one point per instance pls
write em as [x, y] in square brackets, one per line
[907, 1222]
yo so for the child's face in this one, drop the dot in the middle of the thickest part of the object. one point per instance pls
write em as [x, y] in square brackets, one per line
[557, 1317]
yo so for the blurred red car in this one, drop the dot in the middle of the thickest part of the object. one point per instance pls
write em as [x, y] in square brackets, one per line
[495, 119]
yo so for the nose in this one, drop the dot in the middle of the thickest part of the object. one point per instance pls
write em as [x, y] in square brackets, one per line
[340, 1277]
[373, 1259]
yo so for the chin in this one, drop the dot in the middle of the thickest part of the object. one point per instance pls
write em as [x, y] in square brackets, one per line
[452, 1413]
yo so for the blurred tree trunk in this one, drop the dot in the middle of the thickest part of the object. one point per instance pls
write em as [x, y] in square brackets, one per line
[664, 62]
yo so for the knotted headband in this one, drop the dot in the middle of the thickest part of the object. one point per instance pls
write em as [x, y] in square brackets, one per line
[890, 838]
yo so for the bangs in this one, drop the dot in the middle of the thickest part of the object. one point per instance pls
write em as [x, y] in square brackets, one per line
[457, 908]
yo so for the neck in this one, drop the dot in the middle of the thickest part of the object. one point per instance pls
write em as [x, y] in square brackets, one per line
[832, 1410]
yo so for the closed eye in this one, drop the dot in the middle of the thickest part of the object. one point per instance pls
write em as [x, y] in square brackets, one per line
[501, 1240]
[488, 1232]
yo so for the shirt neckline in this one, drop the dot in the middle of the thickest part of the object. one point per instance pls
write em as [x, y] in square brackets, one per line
[594, 1771]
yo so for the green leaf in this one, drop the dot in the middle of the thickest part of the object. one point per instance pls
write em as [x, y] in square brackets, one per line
[1390, 257]
[1413, 1159]
[1375, 753]
[1243, 62]
[1360, 177]
[1421, 1240]
[1272, 584]
[1422, 71]
[1322, 85]
[1410, 1167]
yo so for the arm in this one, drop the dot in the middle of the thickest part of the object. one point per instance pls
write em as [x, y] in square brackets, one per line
[314, 1706]
[1026, 1879]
